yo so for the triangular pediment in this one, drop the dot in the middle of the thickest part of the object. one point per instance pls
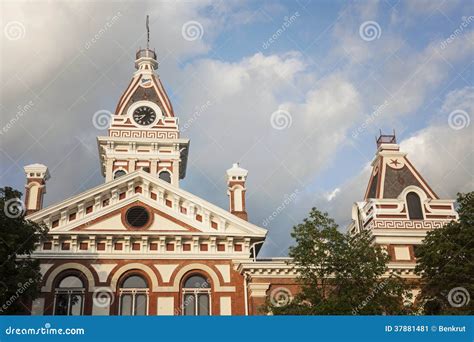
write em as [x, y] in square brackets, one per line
[117, 221]
[171, 209]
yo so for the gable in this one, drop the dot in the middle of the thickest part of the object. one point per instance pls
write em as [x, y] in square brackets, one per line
[117, 221]
[172, 209]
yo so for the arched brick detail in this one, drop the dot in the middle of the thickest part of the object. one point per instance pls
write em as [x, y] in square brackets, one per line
[48, 286]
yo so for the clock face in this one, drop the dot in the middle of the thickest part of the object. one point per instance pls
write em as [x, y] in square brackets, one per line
[144, 115]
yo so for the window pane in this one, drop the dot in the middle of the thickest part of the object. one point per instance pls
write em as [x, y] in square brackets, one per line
[140, 305]
[75, 308]
[196, 282]
[119, 173]
[126, 305]
[134, 282]
[203, 307]
[165, 176]
[189, 305]
[415, 212]
[71, 281]
[61, 304]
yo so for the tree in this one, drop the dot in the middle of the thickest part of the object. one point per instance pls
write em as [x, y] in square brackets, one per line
[20, 274]
[340, 274]
[446, 264]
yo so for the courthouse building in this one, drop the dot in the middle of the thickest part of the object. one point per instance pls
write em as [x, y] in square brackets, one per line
[139, 244]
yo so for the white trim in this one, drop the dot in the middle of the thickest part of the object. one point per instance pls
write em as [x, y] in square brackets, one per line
[68, 266]
[144, 103]
[133, 266]
[140, 176]
[196, 267]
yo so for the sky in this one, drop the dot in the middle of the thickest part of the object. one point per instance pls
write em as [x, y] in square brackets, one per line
[295, 91]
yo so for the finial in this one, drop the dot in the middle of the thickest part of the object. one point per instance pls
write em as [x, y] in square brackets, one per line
[147, 32]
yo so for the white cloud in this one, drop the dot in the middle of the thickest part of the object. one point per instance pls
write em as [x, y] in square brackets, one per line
[331, 195]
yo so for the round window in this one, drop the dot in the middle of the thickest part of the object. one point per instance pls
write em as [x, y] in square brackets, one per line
[137, 217]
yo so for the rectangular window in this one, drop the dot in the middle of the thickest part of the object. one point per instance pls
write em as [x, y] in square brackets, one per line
[221, 247]
[118, 246]
[47, 246]
[238, 248]
[83, 246]
[135, 246]
[65, 246]
[203, 247]
[186, 247]
[170, 247]
[153, 246]
[101, 246]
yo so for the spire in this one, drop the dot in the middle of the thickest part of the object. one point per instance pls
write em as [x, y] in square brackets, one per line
[147, 32]
[146, 58]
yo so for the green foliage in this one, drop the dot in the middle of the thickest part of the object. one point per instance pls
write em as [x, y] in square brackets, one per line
[446, 262]
[340, 274]
[20, 276]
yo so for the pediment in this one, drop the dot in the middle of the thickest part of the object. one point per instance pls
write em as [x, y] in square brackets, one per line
[116, 221]
[172, 210]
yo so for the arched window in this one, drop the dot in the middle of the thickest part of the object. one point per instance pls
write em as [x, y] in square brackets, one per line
[165, 175]
[415, 212]
[134, 296]
[69, 296]
[119, 173]
[196, 296]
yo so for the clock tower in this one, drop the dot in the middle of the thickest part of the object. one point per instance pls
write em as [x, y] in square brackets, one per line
[143, 132]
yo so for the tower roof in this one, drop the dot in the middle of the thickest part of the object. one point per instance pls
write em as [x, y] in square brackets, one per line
[392, 172]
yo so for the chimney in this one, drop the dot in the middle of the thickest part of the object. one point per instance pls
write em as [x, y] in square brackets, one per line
[36, 177]
[236, 177]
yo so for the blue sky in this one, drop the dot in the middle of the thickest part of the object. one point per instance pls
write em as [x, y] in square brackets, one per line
[322, 73]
